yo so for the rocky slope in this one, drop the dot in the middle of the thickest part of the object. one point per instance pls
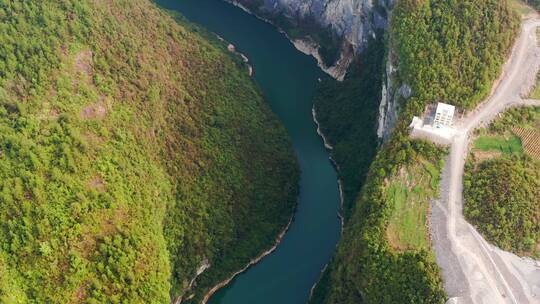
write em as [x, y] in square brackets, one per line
[394, 92]
[334, 31]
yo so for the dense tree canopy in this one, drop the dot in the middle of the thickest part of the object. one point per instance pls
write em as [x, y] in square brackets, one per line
[131, 151]
[502, 188]
[451, 51]
[502, 199]
[347, 112]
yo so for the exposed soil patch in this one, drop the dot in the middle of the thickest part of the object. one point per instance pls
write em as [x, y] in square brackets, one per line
[86, 243]
[97, 183]
[480, 155]
[110, 222]
[94, 111]
[92, 139]
[53, 114]
[64, 50]
[80, 294]
[83, 62]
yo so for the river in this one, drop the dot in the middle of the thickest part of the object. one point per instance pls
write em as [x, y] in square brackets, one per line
[288, 80]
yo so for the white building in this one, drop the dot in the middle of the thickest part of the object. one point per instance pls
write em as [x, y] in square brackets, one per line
[444, 115]
[440, 130]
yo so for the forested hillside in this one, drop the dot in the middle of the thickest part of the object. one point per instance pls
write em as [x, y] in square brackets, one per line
[132, 151]
[447, 51]
[508, 218]
[347, 112]
[502, 182]
[451, 51]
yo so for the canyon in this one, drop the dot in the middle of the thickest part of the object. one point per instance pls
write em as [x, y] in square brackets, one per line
[334, 32]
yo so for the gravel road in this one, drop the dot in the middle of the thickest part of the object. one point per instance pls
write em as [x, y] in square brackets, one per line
[473, 270]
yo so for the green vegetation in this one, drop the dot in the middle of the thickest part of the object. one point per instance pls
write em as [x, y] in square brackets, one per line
[367, 267]
[502, 199]
[533, 3]
[510, 218]
[410, 191]
[510, 145]
[347, 113]
[524, 7]
[131, 150]
[523, 117]
[535, 94]
[518, 124]
[452, 51]
[447, 51]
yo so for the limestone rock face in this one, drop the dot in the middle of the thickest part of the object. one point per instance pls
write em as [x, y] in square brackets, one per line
[352, 21]
[394, 93]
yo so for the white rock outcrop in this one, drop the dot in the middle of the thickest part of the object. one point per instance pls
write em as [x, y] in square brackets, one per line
[352, 20]
[392, 94]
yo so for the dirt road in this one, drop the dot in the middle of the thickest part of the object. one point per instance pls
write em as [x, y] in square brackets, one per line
[473, 270]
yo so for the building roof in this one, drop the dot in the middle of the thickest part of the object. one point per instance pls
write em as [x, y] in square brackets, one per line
[446, 109]
[444, 115]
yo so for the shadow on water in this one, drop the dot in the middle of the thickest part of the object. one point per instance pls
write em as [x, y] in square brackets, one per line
[288, 79]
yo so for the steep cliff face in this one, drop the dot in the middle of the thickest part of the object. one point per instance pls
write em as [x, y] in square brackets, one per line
[394, 92]
[334, 31]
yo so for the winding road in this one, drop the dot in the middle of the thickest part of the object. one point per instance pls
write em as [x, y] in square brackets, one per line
[473, 270]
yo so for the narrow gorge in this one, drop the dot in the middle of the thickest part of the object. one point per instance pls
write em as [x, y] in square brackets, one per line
[241, 151]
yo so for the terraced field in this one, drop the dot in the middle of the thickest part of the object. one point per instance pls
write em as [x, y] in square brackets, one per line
[530, 140]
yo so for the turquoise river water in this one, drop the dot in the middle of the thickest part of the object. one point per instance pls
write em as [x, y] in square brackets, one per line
[288, 79]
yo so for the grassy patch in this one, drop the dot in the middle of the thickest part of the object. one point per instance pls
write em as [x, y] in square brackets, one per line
[505, 145]
[535, 94]
[407, 224]
[521, 8]
[410, 192]
[516, 124]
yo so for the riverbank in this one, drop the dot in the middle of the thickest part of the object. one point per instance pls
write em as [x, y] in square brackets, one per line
[308, 47]
[256, 260]
[232, 48]
[329, 147]
[253, 262]
[289, 85]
